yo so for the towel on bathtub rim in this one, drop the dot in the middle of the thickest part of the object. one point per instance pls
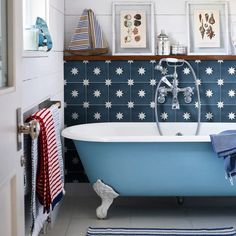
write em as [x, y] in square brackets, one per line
[49, 186]
[224, 144]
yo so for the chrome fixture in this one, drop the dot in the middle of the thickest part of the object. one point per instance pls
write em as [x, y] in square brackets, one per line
[32, 128]
[162, 91]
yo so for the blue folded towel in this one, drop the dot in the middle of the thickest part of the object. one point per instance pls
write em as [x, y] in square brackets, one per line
[224, 144]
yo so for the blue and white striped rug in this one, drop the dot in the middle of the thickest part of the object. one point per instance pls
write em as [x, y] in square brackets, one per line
[158, 231]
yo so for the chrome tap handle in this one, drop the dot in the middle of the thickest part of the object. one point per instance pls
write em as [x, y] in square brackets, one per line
[188, 92]
[162, 94]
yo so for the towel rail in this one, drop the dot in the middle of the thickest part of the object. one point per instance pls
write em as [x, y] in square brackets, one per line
[33, 128]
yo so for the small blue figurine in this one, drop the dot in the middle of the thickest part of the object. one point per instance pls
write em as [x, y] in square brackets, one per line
[45, 39]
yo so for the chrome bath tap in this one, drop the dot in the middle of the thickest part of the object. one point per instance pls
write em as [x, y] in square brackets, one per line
[173, 88]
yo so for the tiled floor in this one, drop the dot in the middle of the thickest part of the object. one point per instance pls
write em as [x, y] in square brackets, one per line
[77, 214]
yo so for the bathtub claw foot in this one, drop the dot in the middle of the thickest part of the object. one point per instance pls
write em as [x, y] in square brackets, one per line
[107, 194]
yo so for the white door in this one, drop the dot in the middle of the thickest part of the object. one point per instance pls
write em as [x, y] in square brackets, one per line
[11, 172]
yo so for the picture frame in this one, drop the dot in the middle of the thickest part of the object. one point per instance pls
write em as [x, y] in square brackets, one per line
[133, 28]
[208, 31]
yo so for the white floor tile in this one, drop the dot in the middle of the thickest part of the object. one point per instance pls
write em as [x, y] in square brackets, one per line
[77, 214]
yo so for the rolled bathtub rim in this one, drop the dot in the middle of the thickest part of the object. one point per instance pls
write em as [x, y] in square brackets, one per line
[99, 132]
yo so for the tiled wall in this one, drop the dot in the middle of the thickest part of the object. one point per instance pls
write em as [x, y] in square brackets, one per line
[123, 91]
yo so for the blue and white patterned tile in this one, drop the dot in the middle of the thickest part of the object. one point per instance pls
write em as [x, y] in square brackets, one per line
[74, 71]
[228, 113]
[119, 114]
[210, 93]
[120, 71]
[74, 93]
[228, 93]
[119, 93]
[166, 113]
[97, 114]
[209, 71]
[72, 161]
[142, 114]
[186, 113]
[142, 93]
[97, 71]
[185, 73]
[74, 115]
[69, 144]
[97, 93]
[76, 177]
[142, 71]
[210, 113]
[228, 71]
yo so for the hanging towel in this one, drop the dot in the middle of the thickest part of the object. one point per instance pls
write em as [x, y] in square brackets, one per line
[224, 144]
[56, 118]
[38, 216]
[49, 185]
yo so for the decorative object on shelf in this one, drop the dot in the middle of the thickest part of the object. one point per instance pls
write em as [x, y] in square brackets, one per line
[178, 49]
[133, 28]
[31, 38]
[208, 32]
[233, 35]
[45, 39]
[88, 38]
[163, 44]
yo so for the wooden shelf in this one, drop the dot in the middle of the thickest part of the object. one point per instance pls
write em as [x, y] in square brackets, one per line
[147, 58]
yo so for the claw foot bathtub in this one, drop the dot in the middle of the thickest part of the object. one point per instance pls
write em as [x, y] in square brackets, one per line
[131, 159]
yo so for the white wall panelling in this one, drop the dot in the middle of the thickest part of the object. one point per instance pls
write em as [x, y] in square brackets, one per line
[43, 76]
[169, 15]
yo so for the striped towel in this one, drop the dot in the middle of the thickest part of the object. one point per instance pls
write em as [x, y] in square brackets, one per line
[230, 231]
[38, 216]
[56, 118]
[49, 186]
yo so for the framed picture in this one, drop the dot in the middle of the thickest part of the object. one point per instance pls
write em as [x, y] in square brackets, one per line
[133, 28]
[208, 32]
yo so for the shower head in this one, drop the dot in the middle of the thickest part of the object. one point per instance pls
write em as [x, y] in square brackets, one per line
[173, 60]
[170, 61]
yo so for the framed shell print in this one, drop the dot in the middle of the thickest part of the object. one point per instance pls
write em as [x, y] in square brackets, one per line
[208, 32]
[133, 28]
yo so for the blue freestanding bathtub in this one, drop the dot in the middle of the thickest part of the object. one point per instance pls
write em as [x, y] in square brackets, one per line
[131, 159]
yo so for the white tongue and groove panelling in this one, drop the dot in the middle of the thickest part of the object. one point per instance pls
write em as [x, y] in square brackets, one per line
[170, 15]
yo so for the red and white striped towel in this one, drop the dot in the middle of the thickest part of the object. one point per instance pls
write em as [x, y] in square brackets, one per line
[49, 185]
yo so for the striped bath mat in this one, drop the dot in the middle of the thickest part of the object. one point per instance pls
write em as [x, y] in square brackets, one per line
[158, 231]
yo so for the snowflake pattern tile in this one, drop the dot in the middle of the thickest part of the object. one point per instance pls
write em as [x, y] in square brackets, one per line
[119, 93]
[119, 114]
[142, 71]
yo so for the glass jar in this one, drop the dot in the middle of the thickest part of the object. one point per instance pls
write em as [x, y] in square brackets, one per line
[31, 38]
[163, 44]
